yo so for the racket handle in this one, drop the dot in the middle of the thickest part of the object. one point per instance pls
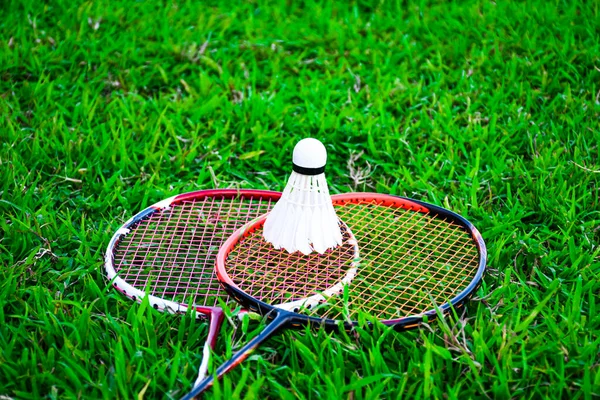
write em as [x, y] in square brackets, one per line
[280, 320]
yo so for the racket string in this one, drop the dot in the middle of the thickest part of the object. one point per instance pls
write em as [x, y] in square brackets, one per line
[413, 274]
[376, 274]
[424, 275]
[258, 269]
[407, 261]
[171, 253]
[203, 231]
[181, 230]
[145, 242]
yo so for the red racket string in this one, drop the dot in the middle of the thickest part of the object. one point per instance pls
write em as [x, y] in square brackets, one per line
[204, 242]
[258, 267]
[173, 250]
[180, 231]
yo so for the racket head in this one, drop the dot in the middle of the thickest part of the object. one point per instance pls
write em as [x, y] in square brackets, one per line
[408, 250]
[167, 251]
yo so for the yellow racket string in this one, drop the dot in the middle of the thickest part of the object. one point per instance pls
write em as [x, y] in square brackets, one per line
[405, 264]
[409, 261]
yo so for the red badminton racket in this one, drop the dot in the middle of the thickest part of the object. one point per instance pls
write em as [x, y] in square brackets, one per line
[167, 252]
[415, 260]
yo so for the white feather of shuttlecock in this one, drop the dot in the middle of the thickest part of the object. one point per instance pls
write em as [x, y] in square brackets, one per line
[304, 218]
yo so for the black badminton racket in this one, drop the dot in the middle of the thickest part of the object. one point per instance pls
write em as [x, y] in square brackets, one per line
[415, 260]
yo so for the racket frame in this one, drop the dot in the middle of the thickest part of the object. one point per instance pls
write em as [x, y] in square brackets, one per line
[281, 318]
[403, 323]
[214, 314]
[157, 302]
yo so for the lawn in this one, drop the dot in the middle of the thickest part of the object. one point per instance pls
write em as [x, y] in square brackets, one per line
[490, 109]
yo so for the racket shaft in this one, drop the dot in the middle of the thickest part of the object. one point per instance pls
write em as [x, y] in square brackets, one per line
[215, 321]
[280, 321]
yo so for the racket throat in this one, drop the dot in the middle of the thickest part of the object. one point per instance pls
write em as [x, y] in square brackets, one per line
[215, 320]
[281, 320]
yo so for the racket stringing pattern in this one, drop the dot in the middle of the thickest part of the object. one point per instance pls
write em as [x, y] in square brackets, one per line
[169, 249]
[411, 260]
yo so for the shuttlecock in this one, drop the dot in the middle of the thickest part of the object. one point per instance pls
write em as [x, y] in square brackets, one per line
[304, 218]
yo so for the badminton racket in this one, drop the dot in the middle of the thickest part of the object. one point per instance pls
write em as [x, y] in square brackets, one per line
[415, 260]
[167, 252]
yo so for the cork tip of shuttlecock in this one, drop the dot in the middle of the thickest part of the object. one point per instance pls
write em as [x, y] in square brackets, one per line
[310, 153]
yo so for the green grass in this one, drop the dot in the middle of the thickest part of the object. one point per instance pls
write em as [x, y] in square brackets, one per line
[488, 108]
